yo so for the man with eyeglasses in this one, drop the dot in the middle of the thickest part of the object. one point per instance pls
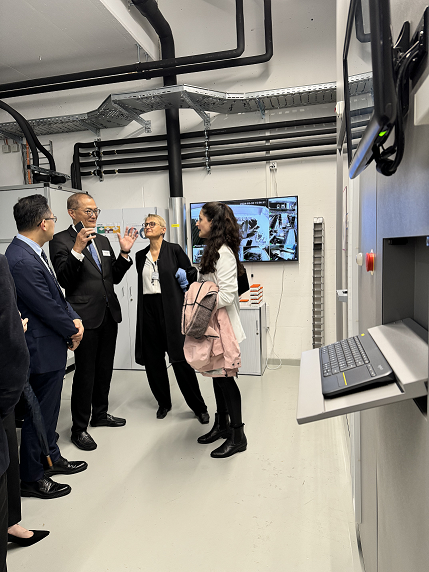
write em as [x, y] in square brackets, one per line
[52, 326]
[87, 269]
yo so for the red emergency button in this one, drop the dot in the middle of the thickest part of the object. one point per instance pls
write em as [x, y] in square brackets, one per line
[370, 258]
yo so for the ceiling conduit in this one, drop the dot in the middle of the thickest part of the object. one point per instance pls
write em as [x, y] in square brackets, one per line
[129, 72]
[221, 147]
[34, 144]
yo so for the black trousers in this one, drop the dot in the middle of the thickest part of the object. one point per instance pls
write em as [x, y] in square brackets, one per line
[3, 522]
[93, 374]
[228, 398]
[154, 349]
[47, 387]
[13, 487]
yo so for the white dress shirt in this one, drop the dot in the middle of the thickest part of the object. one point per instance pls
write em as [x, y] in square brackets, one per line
[150, 284]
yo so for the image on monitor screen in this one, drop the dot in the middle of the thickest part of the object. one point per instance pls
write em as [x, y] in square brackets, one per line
[269, 229]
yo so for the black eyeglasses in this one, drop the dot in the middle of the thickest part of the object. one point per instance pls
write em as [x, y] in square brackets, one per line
[89, 212]
[54, 218]
[150, 224]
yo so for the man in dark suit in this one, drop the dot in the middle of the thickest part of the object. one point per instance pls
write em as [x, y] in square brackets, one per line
[87, 268]
[14, 362]
[52, 326]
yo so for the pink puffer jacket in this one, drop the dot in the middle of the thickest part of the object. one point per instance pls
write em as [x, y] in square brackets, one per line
[218, 347]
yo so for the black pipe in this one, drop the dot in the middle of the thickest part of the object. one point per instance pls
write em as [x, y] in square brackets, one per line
[22, 122]
[219, 142]
[149, 9]
[216, 152]
[240, 160]
[142, 66]
[27, 87]
[212, 132]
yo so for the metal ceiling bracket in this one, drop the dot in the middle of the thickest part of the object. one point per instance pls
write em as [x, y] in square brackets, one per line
[9, 135]
[207, 151]
[193, 105]
[44, 171]
[261, 107]
[133, 115]
[90, 128]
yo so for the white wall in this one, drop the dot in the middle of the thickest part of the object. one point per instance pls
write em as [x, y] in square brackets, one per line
[304, 53]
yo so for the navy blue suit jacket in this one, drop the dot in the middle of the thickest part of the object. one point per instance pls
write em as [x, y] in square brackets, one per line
[50, 317]
[14, 357]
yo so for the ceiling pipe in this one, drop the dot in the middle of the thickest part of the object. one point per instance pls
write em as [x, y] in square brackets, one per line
[137, 67]
[213, 132]
[28, 87]
[237, 161]
[34, 145]
[313, 142]
[220, 142]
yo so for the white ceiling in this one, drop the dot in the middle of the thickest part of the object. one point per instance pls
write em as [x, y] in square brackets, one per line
[41, 38]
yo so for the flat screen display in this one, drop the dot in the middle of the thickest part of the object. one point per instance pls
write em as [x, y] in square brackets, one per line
[369, 81]
[269, 229]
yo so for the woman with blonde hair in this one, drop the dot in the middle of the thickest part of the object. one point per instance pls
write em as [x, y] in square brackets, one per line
[162, 269]
[220, 264]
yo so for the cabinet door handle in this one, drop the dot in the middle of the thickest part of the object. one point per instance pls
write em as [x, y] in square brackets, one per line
[131, 295]
[123, 292]
[257, 327]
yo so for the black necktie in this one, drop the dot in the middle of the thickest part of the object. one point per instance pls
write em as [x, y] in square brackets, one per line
[45, 258]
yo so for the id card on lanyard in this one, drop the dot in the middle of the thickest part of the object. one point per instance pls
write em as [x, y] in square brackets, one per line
[155, 273]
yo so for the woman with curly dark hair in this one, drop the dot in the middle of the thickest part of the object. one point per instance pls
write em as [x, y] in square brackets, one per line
[220, 264]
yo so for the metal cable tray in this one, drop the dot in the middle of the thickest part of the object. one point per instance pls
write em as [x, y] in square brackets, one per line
[119, 110]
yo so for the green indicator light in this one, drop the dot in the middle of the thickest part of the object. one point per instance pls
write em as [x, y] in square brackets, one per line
[382, 133]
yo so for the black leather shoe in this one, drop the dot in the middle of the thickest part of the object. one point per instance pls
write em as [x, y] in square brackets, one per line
[64, 467]
[234, 444]
[108, 421]
[37, 535]
[45, 488]
[203, 417]
[84, 441]
[162, 412]
[220, 430]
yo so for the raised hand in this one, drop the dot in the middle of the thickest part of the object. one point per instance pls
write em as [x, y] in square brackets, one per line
[130, 236]
[82, 239]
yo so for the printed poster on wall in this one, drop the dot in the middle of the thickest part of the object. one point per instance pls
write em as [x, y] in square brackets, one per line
[111, 230]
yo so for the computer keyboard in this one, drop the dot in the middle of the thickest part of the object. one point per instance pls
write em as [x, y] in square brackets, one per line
[352, 364]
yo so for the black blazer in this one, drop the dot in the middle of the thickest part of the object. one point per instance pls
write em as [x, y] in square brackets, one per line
[88, 289]
[14, 356]
[171, 257]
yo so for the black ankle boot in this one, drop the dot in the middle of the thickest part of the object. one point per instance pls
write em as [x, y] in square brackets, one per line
[234, 444]
[220, 430]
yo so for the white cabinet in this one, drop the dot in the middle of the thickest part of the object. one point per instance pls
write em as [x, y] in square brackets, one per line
[126, 290]
[254, 347]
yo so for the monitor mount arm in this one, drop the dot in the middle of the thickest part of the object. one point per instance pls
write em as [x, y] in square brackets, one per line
[408, 58]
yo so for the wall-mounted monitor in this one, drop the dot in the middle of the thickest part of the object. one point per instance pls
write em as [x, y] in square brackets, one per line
[269, 229]
[369, 80]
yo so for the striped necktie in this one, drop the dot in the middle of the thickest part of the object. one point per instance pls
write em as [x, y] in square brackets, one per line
[45, 258]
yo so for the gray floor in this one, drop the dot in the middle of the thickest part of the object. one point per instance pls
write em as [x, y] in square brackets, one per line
[153, 499]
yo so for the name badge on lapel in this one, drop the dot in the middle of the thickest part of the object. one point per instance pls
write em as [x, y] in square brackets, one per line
[106, 252]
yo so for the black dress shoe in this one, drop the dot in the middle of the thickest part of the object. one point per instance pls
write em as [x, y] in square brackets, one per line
[203, 417]
[84, 441]
[44, 488]
[64, 467]
[162, 412]
[108, 421]
[37, 535]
